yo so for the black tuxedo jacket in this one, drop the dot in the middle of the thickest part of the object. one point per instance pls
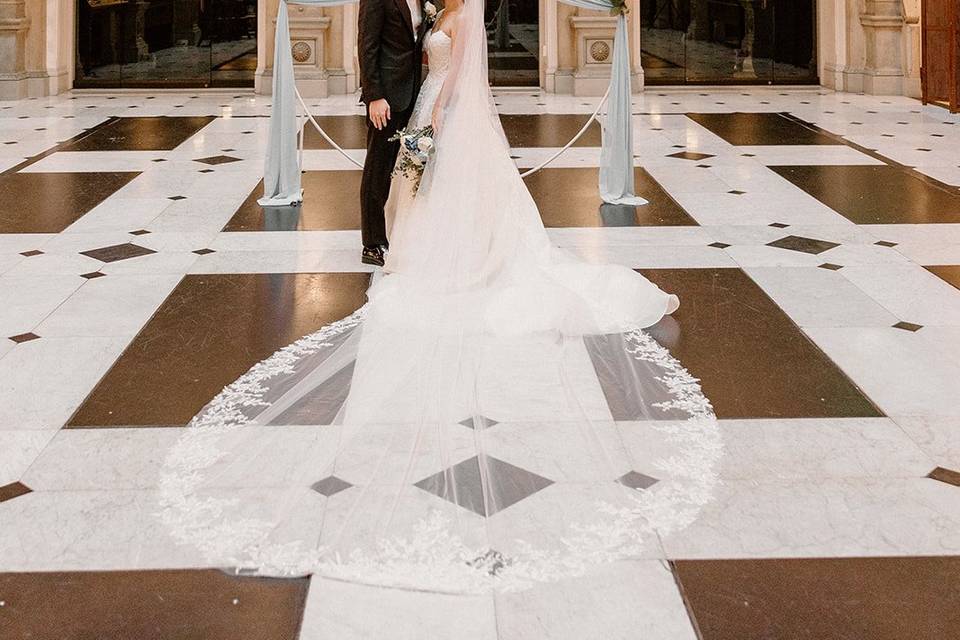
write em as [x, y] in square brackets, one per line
[390, 56]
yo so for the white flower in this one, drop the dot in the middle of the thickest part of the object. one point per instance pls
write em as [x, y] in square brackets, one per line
[425, 144]
[430, 10]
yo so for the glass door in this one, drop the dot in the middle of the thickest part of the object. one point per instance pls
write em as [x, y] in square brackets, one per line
[513, 42]
[728, 41]
[166, 43]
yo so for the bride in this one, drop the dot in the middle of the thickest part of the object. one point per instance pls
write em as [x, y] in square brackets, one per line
[469, 427]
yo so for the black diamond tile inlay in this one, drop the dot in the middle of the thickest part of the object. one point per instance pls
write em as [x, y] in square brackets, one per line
[778, 225]
[24, 337]
[636, 480]
[221, 159]
[480, 422]
[736, 192]
[804, 245]
[908, 326]
[92, 275]
[139, 232]
[117, 252]
[885, 243]
[718, 245]
[690, 155]
[830, 266]
[945, 475]
[462, 485]
[203, 252]
[31, 253]
[177, 198]
[13, 490]
[330, 485]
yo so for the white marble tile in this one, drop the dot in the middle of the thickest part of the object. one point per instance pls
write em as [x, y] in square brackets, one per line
[815, 297]
[794, 155]
[349, 611]
[811, 449]
[27, 300]
[656, 257]
[18, 450]
[938, 437]
[109, 530]
[827, 518]
[50, 264]
[120, 214]
[910, 292]
[901, 371]
[619, 601]
[42, 382]
[602, 237]
[114, 306]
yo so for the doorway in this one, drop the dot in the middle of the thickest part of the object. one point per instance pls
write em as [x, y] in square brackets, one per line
[166, 43]
[513, 42]
[728, 41]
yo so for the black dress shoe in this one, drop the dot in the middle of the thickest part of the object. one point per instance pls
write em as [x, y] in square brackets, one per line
[372, 255]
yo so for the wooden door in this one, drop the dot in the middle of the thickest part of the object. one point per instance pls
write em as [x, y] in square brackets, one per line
[940, 33]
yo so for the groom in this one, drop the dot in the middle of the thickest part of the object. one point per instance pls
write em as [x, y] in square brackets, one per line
[390, 49]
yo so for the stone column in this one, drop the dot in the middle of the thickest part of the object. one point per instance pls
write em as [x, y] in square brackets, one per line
[13, 37]
[883, 26]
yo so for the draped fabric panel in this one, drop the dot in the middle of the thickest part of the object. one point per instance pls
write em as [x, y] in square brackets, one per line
[281, 175]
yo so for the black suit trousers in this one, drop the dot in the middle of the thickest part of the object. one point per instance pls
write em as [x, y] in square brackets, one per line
[375, 184]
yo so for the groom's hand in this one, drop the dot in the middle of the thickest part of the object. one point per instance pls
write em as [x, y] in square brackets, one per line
[380, 113]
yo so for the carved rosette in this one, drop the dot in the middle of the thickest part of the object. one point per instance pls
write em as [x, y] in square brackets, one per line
[302, 52]
[600, 50]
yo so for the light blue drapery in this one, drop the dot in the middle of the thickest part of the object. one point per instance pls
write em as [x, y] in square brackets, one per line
[281, 175]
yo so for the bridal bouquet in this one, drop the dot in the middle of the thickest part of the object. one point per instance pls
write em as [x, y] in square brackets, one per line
[416, 147]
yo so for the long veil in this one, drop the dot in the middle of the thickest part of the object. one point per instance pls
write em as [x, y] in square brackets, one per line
[495, 415]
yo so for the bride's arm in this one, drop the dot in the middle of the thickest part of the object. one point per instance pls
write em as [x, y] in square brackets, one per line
[450, 81]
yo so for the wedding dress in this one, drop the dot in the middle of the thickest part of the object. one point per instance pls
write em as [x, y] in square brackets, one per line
[494, 416]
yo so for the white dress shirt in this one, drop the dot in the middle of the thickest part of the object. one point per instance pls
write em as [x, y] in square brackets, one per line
[415, 15]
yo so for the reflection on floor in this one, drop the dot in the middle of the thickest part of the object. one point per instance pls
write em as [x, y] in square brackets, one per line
[813, 238]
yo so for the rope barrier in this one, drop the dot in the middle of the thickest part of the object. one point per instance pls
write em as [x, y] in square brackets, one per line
[312, 120]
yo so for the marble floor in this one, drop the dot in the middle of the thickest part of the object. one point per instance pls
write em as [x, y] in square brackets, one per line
[813, 237]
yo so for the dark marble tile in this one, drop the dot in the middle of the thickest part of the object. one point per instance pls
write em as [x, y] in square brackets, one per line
[160, 133]
[571, 198]
[117, 252]
[875, 194]
[24, 337]
[830, 266]
[50, 202]
[350, 132]
[637, 480]
[908, 326]
[945, 475]
[523, 130]
[331, 201]
[750, 129]
[823, 598]
[208, 332]
[548, 130]
[948, 273]
[691, 155]
[331, 485]
[565, 197]
[11, 491]
[803, 245]
[499, 486]
[150, 605]
[215, 160]
[752, 360]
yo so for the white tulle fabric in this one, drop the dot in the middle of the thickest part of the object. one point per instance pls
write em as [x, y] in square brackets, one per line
[466, 429]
